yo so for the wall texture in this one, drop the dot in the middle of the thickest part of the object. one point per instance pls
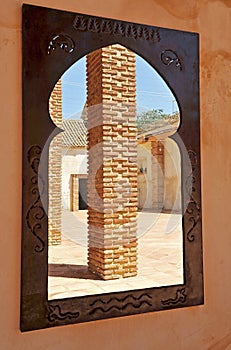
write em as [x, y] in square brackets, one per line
[205, 327]
[74, 161]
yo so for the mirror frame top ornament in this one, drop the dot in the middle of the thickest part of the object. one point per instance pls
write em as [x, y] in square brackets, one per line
[53, 40]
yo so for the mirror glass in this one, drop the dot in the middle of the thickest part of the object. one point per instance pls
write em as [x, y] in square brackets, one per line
[115, 219]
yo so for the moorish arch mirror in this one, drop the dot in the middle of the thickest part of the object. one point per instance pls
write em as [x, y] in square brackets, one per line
[111, 220]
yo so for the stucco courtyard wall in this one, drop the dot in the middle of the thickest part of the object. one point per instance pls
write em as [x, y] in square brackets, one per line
[205, 327]
[74, 161]
[172, 176]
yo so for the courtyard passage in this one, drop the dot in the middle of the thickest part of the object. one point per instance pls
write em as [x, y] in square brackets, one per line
[160, 257]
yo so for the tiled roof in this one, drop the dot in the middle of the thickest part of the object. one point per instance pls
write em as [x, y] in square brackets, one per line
[75, 133]
[164, 129]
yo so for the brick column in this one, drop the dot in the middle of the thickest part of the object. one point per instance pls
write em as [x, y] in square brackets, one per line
[55, 169]
[157, 152]
[74, 195]
[112, 158]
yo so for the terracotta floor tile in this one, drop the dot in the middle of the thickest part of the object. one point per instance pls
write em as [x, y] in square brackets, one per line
[160, 259]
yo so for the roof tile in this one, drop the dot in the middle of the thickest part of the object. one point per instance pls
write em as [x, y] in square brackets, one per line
[75, 133]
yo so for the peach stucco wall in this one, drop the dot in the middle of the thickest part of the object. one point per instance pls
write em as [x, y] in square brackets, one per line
[200, 328]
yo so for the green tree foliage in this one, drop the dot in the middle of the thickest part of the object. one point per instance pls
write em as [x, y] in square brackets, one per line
[151, 117]
[155, 117]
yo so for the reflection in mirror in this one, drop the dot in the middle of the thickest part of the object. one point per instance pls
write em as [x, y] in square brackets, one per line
[115, 221]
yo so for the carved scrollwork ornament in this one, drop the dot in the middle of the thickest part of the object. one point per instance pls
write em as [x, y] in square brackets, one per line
[170, 57]
[180, 297]
[55, 314]
[192, 214]
[61, 41]
[36, 212]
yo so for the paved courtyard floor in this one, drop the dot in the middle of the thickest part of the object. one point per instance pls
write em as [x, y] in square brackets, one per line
[160, 257]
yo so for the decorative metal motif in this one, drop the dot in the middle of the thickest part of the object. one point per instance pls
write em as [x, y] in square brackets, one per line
[62, 41]
[192, 214]
[109, 26]
[56, 314]
[169, 57]
[134, 302]
[36, 213]
[180, 297]
[33, 156]
[191, 210]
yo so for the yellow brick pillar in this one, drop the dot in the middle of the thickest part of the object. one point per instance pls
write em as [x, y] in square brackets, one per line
[112, 162]
[157, 152]
[55, 169]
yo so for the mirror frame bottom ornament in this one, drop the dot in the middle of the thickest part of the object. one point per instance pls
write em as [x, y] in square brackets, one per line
[52, 41]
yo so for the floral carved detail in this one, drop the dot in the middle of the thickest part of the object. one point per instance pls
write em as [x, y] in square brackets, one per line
[110, 26]
[170, 57]
[180, 297]
[192, 214]
[62, 41]
[54, 314]
[36, 213]
[118, 304]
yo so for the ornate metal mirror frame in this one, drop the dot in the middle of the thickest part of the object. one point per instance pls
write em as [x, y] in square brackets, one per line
[52, 41]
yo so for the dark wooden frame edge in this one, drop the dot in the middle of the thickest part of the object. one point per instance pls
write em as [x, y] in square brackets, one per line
[52, 41]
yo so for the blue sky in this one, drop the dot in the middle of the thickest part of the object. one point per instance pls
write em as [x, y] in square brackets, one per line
[152, 91]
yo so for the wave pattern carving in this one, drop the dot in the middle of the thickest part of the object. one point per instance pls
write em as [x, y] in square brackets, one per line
[118, 304]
